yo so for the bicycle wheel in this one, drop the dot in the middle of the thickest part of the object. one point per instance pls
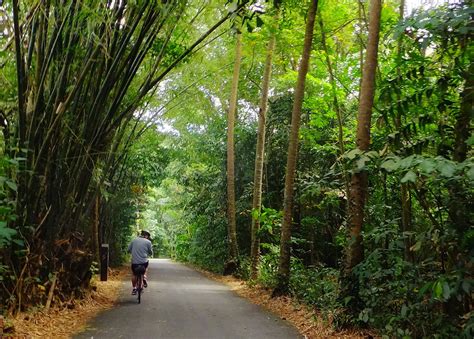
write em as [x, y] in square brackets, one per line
[139, 287]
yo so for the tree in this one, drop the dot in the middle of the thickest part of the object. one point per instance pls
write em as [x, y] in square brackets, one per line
[358, 189]
[260, 150]
[232, 262]
[285, 240]
[335, 100]
[82, 71]
[405, 197]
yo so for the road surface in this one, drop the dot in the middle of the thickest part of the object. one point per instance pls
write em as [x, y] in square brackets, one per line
[182, 303]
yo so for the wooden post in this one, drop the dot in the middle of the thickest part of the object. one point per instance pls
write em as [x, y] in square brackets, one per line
[104, 261]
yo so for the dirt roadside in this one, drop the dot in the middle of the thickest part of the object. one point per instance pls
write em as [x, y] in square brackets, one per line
[62, 321]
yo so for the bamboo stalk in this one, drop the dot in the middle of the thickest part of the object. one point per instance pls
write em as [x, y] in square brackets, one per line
[51, 293]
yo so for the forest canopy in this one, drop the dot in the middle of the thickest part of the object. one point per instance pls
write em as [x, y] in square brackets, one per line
[322, 149]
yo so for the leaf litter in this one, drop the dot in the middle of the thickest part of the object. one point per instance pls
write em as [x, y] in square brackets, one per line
[64, 320]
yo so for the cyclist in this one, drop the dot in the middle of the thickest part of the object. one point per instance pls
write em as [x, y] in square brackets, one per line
[141, 249]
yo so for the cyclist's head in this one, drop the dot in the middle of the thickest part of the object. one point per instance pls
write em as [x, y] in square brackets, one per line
[145, 234]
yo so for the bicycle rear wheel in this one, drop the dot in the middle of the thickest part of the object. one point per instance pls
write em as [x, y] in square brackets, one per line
[139, 287]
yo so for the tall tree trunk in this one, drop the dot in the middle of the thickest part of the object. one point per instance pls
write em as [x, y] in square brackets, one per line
[458, 207]
[95, 229]
[335, 101]
[22, 96]
[285, 242]
[358, 192]
[259, 155]
[231, 264]
[362, 24]
[463, 122]
[359, 180]
[405, 195]
[20, 70]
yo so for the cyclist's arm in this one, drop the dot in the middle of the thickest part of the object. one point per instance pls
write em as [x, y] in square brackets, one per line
[129, 250]
[150, 249]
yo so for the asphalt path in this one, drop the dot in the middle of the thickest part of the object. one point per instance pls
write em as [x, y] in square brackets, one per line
[182, 303]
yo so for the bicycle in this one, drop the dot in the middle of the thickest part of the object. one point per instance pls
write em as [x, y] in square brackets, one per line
[139, 272]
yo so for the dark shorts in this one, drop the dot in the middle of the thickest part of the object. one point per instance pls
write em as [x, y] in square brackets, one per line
[134, 267]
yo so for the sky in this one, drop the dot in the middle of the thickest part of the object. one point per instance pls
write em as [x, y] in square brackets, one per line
[410, 5]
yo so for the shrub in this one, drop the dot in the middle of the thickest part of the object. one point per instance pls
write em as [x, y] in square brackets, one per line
[315, 286]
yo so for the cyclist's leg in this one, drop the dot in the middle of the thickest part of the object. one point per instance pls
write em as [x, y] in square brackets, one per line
[145, 280]
[134, 280]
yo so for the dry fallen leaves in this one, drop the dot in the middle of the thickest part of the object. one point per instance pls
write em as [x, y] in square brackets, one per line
[63, 322]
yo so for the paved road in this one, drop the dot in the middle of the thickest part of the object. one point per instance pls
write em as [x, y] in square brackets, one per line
[182, 303]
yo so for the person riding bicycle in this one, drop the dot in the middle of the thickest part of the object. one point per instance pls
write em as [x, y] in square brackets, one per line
[141, 249]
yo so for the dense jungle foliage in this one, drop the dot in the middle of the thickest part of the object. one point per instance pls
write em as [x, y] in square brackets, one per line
[114, 118]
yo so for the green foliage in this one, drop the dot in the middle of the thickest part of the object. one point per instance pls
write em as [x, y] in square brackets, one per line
[415, 279]
[315, 286]
[270, 224]
[208, 248]
[243, 271]
[8, 188]
[182, 246]
[11, 240]
[268, 267]
[6, 234]
[403, 298]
